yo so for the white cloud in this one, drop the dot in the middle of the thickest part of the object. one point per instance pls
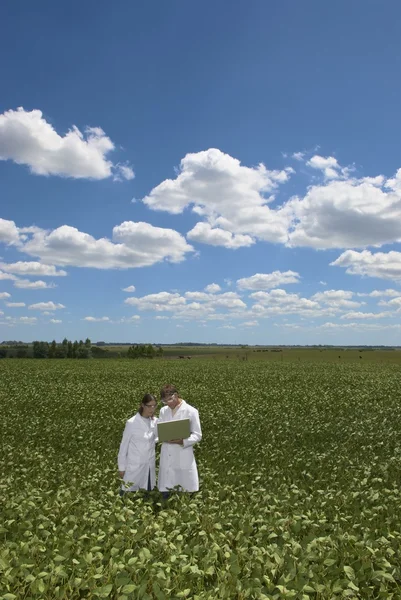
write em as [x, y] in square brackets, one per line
[130, 288]
[231, 198]
[8, 232]
[55, 321]
[337, 299]
[96, 319]
[46, 306]
[15, 304]
[4, 295]
[204, 233]
[213, 288]
[123, 172]
[384, 265]
[8, 276]
[393, 303]
[322, 282]
[329, 166]
[33, 285]
[133, 319]
[383, 293]
[134, 245]
[28, 320]
[32, 268]
[28, 139]
[278, 302]
[347, 214]
[362, 315]
[161, 318]
[298, 156]
[250, 324]
[227, 327]
[265, 281]
[162, 301]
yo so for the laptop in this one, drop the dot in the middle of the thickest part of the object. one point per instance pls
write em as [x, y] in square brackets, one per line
[173, 430]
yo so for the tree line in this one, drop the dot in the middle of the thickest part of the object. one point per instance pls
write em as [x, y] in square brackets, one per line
[76, 350]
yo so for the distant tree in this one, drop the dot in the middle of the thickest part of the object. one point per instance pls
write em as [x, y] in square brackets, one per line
[160, 352]
[22, 353]
[75, 347]
[3, 352]
[40, 349]
[70, 350]
[52, 349]
[150, 351]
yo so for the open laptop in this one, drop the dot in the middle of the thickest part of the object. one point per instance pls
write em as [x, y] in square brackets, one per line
[173, 430]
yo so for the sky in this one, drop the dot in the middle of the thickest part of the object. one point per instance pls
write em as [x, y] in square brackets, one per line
[209, 172]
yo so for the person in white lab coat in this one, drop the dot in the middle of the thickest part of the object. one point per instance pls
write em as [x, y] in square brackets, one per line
[136, 457]
[177, 461]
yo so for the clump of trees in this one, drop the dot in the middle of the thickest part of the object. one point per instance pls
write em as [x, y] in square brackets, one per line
[144, 351]
[67, 349]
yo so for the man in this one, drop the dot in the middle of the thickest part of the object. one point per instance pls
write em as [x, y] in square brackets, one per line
[177, 460]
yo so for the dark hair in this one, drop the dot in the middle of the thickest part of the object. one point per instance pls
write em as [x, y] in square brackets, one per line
[145, 400]
[168, 390]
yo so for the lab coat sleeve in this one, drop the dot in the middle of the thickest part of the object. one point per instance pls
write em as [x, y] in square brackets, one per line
[123, 452]
[155, 435]
[196, 431]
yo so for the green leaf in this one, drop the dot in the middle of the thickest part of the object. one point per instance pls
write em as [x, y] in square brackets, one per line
[104, 591]
[349, 571]
[128, 589]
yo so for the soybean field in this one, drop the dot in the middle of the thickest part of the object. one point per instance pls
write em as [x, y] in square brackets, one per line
[300, 471]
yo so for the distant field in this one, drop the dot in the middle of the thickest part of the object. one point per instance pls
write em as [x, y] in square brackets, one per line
[392, 356]
[300, 469]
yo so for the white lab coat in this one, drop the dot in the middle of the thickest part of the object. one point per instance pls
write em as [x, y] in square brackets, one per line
[137, 453]
[177, 463]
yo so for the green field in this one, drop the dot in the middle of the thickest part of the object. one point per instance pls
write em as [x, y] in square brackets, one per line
[300, 469]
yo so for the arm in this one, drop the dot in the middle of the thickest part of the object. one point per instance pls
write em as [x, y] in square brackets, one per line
[196, 431]
[122, 454]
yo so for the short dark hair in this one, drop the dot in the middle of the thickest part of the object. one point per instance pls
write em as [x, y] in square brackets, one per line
[168, 390]
[145, 400]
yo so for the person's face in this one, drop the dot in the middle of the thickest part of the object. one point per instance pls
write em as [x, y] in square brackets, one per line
[149, 409]
[171, 401]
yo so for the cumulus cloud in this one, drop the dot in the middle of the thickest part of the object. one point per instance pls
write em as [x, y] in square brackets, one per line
[278, 301]
[384, 265]
[4, 295]
[362, 315]
[55, 321]
[96, 319]
[133, 245]
[132, 319]
[33, 285]
[204, 233]
[28, 320]
[159, 302]
[328, 165]
[337, 298]
[130, 288]
[213, 288]
[15, 304]
[8, 232]
[46, 306]
[28, 139]
[383, 293]
[250, 324]
[32, 268]
[346, 214]
[232, 198]
[265, 281]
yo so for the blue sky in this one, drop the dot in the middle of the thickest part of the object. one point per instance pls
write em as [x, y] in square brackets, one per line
[216, 172]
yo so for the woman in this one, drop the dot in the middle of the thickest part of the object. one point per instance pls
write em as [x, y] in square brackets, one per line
[136, 458]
